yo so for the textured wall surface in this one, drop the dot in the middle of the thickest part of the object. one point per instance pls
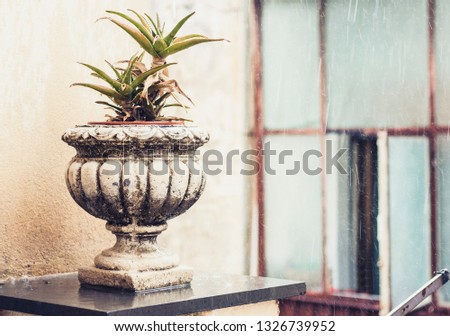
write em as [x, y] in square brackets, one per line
[42, 230]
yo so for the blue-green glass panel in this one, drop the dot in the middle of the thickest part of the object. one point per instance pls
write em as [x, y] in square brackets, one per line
[293, 210]
[341, 228]
[442, 62]
[290, 56]
[377, 63]
[409, 210]
[443, 206]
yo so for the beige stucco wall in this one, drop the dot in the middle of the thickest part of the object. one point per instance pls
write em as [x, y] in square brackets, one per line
[42, 230]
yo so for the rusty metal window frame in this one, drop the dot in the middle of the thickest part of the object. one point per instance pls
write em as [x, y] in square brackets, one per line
[431, 132]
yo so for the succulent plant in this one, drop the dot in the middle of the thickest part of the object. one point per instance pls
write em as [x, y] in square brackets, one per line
[138, 93]
[125, 91]
[151, 37]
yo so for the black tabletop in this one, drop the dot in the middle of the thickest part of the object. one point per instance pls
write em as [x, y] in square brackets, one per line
[62, 295]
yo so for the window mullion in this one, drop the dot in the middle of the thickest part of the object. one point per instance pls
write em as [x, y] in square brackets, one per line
[383, 223]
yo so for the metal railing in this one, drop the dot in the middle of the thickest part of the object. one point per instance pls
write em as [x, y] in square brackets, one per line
[421, 294]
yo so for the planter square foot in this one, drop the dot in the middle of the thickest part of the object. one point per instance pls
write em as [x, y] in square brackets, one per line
[135, 280]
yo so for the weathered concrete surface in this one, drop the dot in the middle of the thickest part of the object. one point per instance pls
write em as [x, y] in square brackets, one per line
[135, 280]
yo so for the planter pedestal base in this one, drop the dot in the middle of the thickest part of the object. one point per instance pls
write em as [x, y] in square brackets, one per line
[135, 262]
[136, 280]
[135, 177]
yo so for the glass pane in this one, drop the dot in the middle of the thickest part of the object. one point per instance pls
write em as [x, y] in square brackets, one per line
[340, 230]
[377, 63]
[409, 210]
[290, 52]
[293, 210]
[442, 62]
[443, 180]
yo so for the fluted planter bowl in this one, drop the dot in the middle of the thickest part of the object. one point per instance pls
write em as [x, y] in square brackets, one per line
[135, 177]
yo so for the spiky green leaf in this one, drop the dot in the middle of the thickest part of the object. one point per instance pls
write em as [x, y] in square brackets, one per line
[177, 105]
[170, 37]
[188, 37]
[119, 76]
[103, 75]
[128, 71]
[162, 99]
[179, 46]
[146, 32]
[143, 21]
[137, 36]
[141, 78]
[158, 22]
[157, 31]
[103, 90]
[114, 107]
[141, 57]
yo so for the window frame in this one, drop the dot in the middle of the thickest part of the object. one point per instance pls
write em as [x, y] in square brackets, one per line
[431, 132]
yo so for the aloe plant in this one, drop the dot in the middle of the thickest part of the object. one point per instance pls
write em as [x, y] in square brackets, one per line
[151, 37]
[138, 93]
[125, 91]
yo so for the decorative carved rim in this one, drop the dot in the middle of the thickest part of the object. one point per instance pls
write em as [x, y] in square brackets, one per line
[161, 136]
[131, 123]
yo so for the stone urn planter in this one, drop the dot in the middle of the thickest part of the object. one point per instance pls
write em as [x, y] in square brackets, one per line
[135, 177]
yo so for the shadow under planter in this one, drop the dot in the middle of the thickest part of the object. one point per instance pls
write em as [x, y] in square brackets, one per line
[135, 177]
